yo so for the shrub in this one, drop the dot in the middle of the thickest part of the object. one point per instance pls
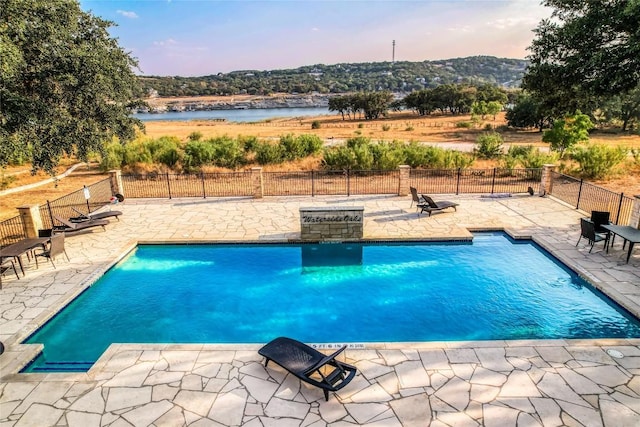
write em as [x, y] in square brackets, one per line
[315, 124]
[195, 136]
[387, 156]
[456, 159]
[409, 128]
[386, 127]
[335, 158]
[358, 140]
[311, 144]
[136, 151]
[292, 147]
[597, 160]
[465, 125]
[360, 125]
[248, 143]
[488, 145]
[535, 159]
[165, 150]
[197, 153]
[227, 152]
[568, 132]
[112, 156]
[267, 153]
[488, 127]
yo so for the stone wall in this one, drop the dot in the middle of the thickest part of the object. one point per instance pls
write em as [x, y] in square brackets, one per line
[331, 223]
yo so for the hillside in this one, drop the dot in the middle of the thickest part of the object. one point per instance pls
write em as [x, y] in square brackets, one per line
[401, 76]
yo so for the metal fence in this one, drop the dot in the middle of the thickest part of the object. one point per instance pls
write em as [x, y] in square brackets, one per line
[576, 192]
[167, 185]
[329, 183]
[588, 197]
[457, 181]
[75, 203]
[11, 231]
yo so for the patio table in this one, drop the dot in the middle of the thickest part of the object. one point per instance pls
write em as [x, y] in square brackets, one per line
[628, 233]
[22, 247]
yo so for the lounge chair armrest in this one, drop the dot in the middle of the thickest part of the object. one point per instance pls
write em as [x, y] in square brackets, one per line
[325, 360]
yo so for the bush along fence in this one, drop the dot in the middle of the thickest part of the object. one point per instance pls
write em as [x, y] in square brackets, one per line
[257, 183]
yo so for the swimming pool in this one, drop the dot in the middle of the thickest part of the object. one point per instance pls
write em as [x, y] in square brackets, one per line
[492, 288]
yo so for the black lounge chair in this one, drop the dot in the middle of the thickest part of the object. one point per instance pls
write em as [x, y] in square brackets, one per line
[82, 217]
[432, 206]
[309, 364]
[73, 227]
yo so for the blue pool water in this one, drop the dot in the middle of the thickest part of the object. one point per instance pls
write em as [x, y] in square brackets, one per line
[493, 288]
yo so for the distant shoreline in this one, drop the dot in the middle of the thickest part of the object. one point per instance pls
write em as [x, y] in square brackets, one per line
[160, 105]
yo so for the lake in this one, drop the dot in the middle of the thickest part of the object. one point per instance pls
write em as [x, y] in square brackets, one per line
[248, 115]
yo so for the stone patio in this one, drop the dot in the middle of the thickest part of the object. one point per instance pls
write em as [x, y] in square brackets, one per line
[492, 383]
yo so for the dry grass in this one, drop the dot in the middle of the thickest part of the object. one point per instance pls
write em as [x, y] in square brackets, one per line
[401, 126]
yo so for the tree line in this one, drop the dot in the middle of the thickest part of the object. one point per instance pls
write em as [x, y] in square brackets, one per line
[400, 76]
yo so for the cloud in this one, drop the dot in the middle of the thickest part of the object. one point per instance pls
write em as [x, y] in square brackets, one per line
[127, 14]
[504, 23]
[167, 42]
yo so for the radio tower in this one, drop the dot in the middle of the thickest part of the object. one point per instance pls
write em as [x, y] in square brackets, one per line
[393, 52]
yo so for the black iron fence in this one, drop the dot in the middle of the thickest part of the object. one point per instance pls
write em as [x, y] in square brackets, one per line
[588, 197]
[457, 181]
[11, 231]
[328, 183]
[79, 202]
[167, 185]
[576, 192]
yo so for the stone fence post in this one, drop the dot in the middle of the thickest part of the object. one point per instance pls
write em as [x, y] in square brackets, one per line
[31, 220]
[634, 220]
[546, 180]
[256, 182]
[403, 184]
[115, 179]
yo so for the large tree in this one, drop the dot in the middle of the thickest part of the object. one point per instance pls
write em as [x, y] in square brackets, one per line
[585, 50]
[66, 86]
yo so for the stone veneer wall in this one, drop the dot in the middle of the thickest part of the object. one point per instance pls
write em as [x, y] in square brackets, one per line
[332, 223]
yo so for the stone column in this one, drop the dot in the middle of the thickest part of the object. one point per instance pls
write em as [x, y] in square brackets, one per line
[115, 179]
[403, 184]
[31, 220]
[634, 220]
[546, 180]
[256, 182]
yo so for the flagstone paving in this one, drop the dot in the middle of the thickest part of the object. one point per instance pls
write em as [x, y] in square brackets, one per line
[491, 383]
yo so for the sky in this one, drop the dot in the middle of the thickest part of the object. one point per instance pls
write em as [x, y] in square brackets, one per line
[204, 37]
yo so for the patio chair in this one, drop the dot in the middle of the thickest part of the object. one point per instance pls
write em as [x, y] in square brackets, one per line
[5, 265]
[588, 231]
[308, 364]
[599, 218]
[72, 227]
[415, 198]
[56, 247]
[432, 206]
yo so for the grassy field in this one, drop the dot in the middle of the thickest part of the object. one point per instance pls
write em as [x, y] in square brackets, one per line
[443, 130]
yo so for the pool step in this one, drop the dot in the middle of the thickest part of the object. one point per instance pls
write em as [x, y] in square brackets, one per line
[62, 367]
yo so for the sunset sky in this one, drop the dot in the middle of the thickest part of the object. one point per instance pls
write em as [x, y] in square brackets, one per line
[202, 37]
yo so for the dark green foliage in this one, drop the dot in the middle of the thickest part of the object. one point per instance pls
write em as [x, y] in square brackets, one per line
[66, 85]
[315, 124]
[526, 113]
[587, 49]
